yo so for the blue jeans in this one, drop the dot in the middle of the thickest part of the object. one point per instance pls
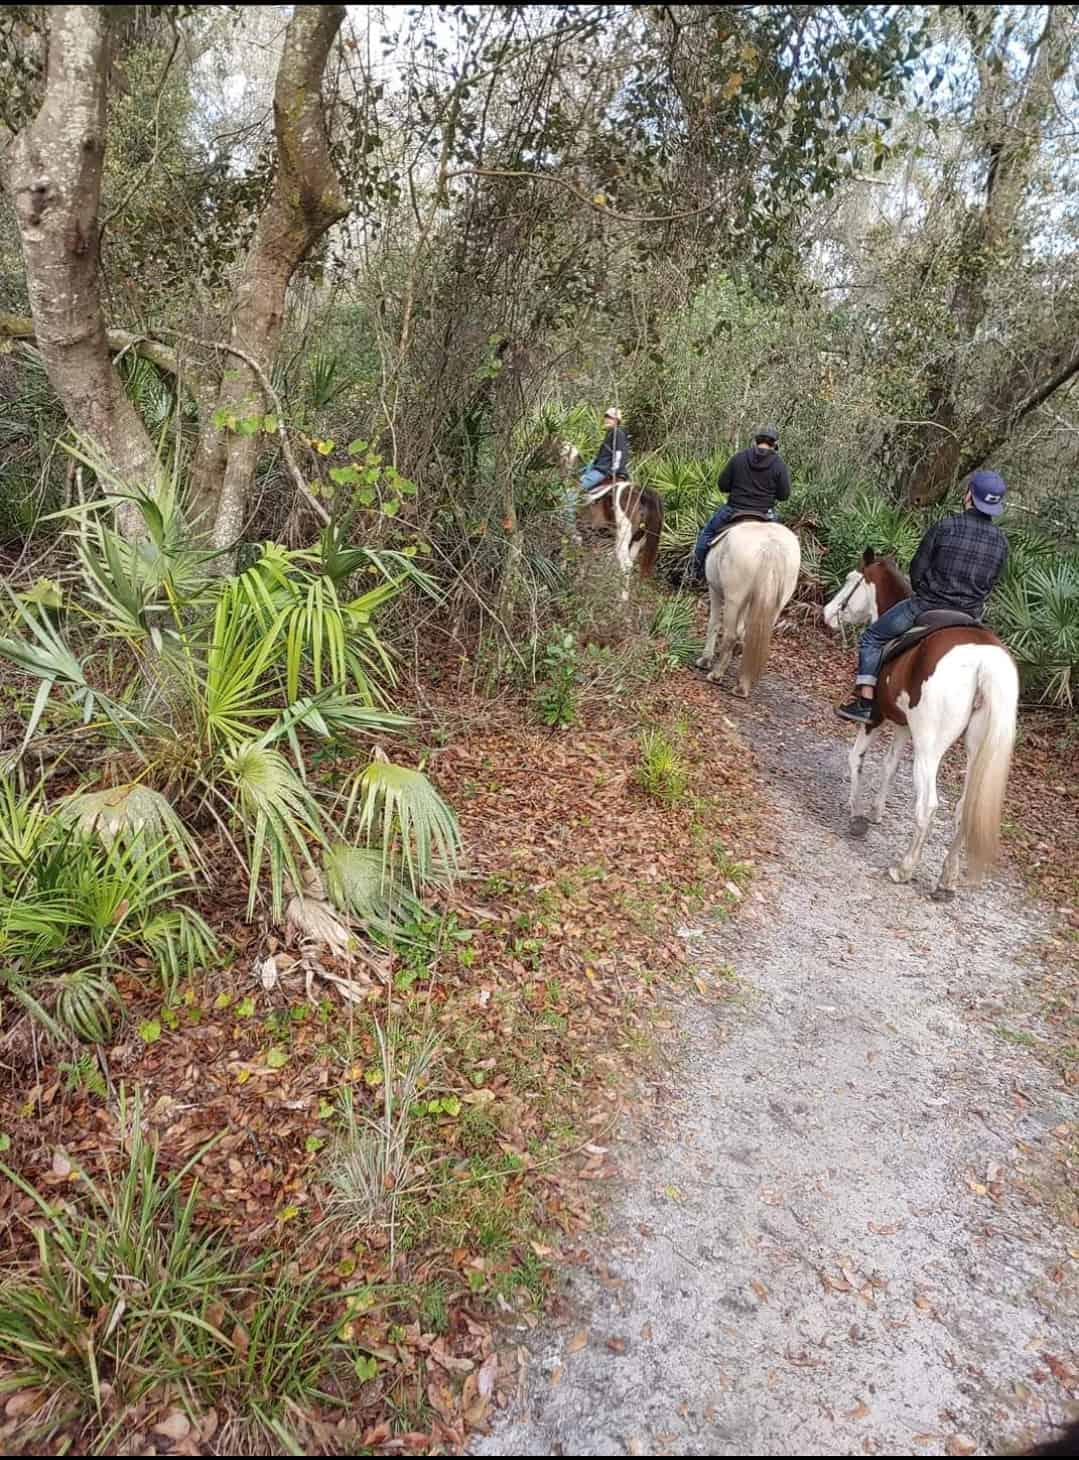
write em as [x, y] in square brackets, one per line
[590, 477]
[879, 634]
[711, 527]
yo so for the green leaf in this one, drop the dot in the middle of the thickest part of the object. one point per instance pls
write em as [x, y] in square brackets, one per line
[250, 426]
[313, 1144]
[365, 1368]
[223, 1000]
[356, 448]
[276, 1059]
[150, 1031]
[46, 593]
[5, 1141]
[245, 1008]
[269, 425]
[344, 475]
[391, 508]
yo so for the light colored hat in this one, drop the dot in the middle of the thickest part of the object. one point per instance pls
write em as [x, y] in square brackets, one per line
[614, 413]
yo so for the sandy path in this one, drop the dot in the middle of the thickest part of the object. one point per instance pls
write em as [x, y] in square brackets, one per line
[804, 1263]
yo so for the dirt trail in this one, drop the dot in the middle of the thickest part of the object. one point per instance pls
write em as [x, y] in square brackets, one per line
[825, 1239]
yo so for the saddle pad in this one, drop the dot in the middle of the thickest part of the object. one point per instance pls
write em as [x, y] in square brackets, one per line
[598, 492]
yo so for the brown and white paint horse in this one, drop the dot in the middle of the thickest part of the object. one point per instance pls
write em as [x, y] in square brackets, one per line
[955, 681]
[752, 572]
[635, 513]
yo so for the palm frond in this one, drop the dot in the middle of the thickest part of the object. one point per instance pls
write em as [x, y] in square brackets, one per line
[416, 827]
[279, 814]
[127, 813]
[357, 884]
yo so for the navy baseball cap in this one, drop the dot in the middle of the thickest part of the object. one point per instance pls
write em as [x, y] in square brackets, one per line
[987, 489]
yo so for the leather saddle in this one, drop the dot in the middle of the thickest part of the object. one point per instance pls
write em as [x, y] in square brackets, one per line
[929, 622]
[735, 521]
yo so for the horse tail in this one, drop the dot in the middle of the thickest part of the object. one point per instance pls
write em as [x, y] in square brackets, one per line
[766, 599]
[651, 510]
[991, 740]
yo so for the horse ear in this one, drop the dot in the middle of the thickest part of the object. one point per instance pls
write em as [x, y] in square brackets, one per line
[868, 558]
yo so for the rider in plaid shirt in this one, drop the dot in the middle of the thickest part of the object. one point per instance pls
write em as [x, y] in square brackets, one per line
[957, 566]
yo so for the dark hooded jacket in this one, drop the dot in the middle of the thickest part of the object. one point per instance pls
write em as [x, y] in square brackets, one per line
[755, 480]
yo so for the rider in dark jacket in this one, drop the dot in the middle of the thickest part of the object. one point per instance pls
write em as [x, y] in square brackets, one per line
[957, 566]
[612, 458]
[754, 481]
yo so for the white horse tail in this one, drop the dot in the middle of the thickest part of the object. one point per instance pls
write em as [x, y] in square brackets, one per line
[766, 599]
[990, 744]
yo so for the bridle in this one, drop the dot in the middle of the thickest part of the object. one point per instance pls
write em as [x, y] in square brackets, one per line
[851, 591]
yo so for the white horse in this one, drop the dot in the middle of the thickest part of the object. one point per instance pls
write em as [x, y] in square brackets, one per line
[752, 573]
[952, 680]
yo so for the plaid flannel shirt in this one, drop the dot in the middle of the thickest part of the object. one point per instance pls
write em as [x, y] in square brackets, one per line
[959, 562]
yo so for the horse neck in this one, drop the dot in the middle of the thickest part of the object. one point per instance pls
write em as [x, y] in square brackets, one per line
[890, 587]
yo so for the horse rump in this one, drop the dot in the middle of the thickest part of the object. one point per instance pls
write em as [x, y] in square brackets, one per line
[650, 517]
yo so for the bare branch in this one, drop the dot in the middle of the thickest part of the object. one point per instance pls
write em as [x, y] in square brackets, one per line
[561, 182]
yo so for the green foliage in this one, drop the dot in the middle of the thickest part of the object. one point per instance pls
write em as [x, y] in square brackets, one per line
[663, 772]
[1036, 610]
[417, 831]
[224, 685]
[674, 625]
[376, 1159]
[128, 1294]
[846, 529]
[556, 698]
[78, 899]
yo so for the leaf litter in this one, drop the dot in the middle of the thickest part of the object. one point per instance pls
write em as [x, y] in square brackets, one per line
[576, 882]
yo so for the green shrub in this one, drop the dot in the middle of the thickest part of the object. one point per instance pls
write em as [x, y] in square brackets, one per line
[209, 692]
[129, 1299]
[556, 698]
[663, 773]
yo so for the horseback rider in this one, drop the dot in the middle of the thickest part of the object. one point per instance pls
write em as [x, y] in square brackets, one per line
[611, 460]
[754, 481]
[956, 567]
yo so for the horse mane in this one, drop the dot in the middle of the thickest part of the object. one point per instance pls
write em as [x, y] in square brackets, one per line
[885, 572]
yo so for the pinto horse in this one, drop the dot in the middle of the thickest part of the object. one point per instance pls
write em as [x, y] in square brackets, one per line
[946, 682]
[752, 572]
[635, 513]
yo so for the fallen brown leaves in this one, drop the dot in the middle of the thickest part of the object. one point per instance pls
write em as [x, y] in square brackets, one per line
[577, 884]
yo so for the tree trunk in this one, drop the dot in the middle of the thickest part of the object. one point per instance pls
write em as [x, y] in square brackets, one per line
[953, 433]
[306, 200]
[55, 180]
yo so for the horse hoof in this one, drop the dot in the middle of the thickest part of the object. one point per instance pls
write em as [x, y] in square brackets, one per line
[897, 874]
[859, 825]
[742, 691]
[715, 678]
[943, 894]
[704, 663]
